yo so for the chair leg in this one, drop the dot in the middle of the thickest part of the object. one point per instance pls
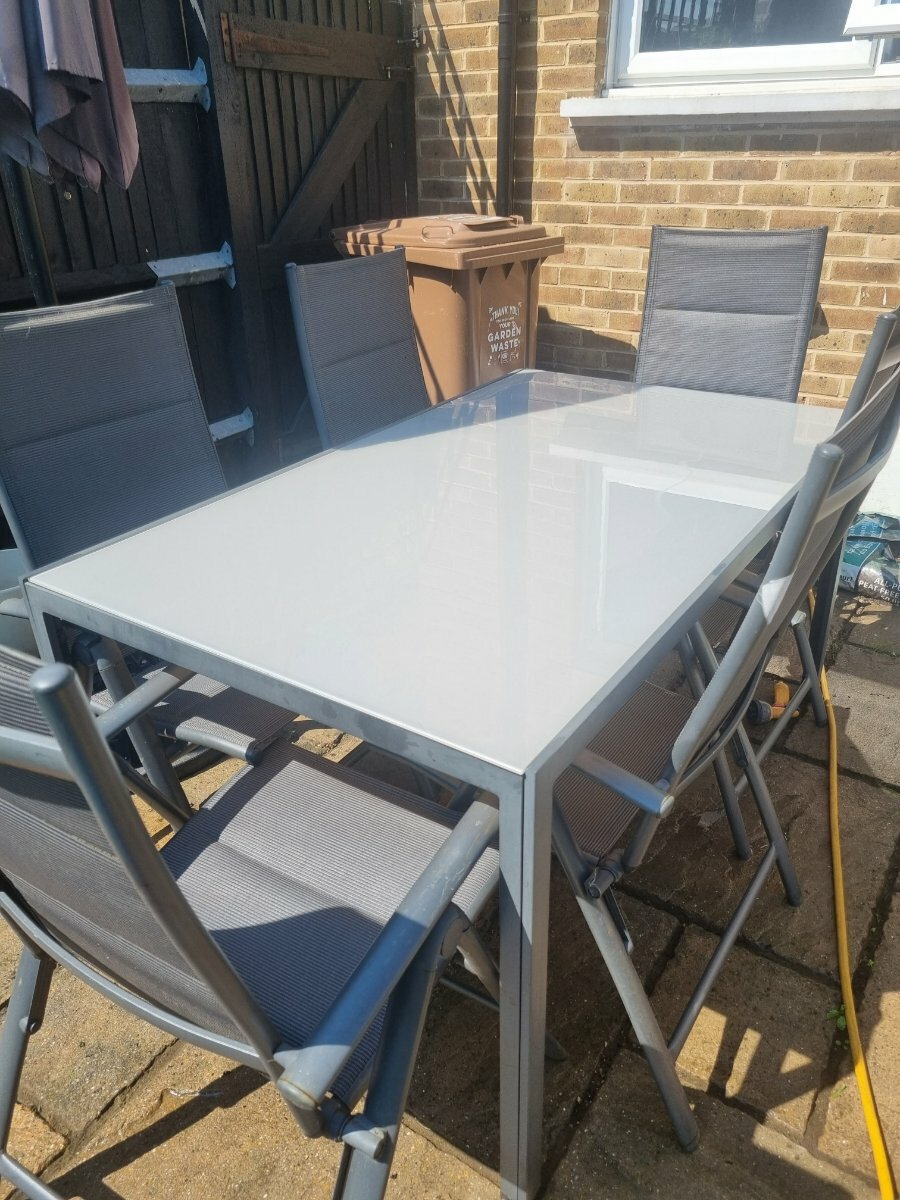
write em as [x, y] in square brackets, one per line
[732, 807]
[643, 1021]
[720, 762]
[478, 961]
[362, 1177]
[24, 1015]
[768, 816]
[805, 650]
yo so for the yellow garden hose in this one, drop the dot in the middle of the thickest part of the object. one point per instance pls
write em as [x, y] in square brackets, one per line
[860, 1069]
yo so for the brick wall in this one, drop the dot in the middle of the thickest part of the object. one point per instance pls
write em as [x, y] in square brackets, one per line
[604, 188]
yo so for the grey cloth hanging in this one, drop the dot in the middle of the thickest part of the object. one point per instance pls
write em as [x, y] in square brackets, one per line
[64, 104]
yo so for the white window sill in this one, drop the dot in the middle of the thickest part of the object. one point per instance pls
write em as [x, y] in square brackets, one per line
[844, 99]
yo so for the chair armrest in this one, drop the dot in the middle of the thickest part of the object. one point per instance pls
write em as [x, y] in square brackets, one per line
[641, 793]
[126, 711]
[741, 597]
[14, 606]
[311, 1070]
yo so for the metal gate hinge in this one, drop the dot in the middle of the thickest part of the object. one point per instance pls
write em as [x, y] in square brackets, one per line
[169, 87]
[229, 427]
[194, 269]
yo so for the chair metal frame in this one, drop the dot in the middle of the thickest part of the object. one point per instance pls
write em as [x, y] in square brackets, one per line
[399, 970]
[839, 474]
[879, 371]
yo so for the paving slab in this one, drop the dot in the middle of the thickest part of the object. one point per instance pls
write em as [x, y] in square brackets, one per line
[691, 862]
[763, 1037]
[843, 1134]
[865, 693]
[876, 626]
[624, 1150]
[87, 1051]
[198, 1127]
[33, 1143]
[456, 1084]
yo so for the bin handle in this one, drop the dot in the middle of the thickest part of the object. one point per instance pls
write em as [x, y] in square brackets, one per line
[441, 231]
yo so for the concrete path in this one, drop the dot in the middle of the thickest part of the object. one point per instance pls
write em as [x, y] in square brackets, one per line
[112, 1108]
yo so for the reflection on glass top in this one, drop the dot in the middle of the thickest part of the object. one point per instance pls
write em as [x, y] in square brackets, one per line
[715, 24]
[479, 572]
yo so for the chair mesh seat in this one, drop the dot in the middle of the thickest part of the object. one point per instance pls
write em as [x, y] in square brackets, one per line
[639, 738]
[720, 621]
[203, 710]
[294, 868]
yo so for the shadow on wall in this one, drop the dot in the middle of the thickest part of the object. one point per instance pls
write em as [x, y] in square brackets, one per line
[572, 349]
[455, 165]
[576, 350]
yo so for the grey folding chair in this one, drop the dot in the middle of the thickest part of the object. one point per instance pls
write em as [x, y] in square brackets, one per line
[103, 431]
[879, 373]
[729, 311]
[296, 924]
[357, 344]
[609, 803]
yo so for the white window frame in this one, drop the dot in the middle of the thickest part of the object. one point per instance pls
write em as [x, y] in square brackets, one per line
[871, 18]
[843, 81]
[732, 65]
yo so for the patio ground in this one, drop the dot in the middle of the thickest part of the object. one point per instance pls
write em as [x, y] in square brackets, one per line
[112, 1108]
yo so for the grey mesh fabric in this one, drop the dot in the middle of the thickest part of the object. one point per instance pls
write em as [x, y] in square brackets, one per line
[729, 311]
[357, 344]
[292, 867]
[103, 431]
[639, 738]
[56, 858]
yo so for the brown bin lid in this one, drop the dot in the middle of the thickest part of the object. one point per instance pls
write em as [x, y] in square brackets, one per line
[452, 240]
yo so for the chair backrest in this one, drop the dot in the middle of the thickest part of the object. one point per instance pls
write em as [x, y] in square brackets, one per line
[728, 311]
[75, 857]
[103, 429]
[880, 360]
[839, 475]
[357, 343]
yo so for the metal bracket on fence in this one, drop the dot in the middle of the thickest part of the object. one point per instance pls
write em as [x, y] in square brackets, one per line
[417, 41]
[230, 427]
[169, 87]
[196, 268]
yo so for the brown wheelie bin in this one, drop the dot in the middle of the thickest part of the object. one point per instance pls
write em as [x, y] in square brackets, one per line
[473, 286]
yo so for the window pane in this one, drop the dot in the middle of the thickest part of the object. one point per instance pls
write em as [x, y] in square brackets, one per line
[713, 24]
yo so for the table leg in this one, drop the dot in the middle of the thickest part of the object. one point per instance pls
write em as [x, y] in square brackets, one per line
[524, 906]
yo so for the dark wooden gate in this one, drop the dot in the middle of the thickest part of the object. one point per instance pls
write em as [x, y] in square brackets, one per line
[310, 127]
[315, 111]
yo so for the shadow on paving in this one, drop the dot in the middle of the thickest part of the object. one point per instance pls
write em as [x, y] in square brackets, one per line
[88, 1178]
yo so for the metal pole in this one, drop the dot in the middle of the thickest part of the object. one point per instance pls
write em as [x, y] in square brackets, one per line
[507, 46]
[29, 234]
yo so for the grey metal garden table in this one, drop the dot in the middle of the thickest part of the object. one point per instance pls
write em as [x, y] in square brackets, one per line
[476, 588]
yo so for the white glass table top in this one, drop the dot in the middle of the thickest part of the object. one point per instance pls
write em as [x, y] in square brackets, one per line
[478, 573]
